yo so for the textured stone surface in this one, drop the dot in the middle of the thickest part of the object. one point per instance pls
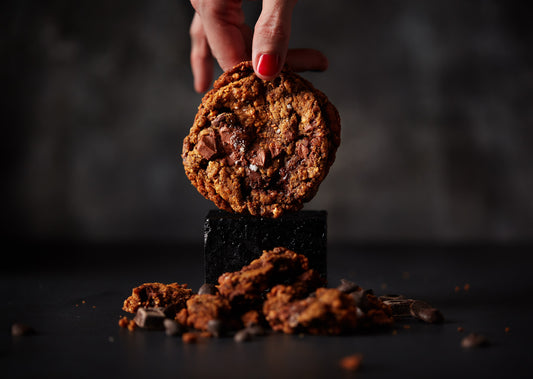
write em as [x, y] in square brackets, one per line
[232, 241]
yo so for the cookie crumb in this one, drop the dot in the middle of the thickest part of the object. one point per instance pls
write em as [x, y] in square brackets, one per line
[507, 329]
[460, 329]
[131, 325]
[123, 322]
[352, 362]
[189, 337]
[466, 287]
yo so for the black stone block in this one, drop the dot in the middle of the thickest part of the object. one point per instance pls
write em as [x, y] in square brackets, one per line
[232, 241]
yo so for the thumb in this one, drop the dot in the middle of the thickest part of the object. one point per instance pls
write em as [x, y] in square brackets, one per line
[271, 37]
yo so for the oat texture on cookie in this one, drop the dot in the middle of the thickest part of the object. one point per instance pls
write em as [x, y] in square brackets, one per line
[261, 147]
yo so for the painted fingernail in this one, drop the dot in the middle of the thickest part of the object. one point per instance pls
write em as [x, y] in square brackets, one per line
[267, 65]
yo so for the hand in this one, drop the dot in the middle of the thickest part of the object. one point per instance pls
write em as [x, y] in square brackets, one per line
[218, 31]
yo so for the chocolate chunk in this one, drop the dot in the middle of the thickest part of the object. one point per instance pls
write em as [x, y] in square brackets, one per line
[173, 328]
[225, 137]
[474, 340]
[425, 312]
[360, 296]
[20, 329]
[275, 149]
[207, 145]
[258, 157]
[234, 138]
[224, 119]
[302, 148]
[215, 327]
[243, 335]
[400, 308]
[208, 288]
[347, 286]
[150, 318]
[399, 304]
[392, 297]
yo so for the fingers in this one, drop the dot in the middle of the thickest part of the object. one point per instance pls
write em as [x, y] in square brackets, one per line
[218, 31]
[201, 58]
[306, 60]
[271, 37]
[223, 23]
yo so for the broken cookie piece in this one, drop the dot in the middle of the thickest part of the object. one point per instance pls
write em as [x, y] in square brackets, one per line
[279, 265]
[171, 297]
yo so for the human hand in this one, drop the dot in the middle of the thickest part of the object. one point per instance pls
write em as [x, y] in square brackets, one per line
[218, 32]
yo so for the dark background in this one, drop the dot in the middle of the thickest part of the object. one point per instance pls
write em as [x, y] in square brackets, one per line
[435, 99]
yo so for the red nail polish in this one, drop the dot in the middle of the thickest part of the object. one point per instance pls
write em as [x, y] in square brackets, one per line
[267, 64]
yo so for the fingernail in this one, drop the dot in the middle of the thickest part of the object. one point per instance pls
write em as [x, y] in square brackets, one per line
[267, 65]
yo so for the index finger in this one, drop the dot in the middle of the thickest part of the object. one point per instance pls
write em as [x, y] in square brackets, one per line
[223, 22]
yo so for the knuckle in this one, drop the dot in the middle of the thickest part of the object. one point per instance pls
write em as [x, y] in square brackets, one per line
[197, 4]
[272, 31]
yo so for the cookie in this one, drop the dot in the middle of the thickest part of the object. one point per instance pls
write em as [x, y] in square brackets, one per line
[261, 147]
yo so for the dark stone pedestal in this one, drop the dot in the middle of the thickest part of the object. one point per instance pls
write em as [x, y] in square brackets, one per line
[232, 241]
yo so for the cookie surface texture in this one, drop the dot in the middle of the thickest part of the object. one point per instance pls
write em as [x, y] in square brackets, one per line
[261, 147]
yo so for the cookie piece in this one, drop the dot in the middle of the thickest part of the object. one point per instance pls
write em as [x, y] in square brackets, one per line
[203, 308]
[329, 311]
[171, 296]
[276, 266]
[261, 147]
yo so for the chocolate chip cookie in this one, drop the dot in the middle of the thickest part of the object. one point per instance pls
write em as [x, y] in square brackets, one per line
[261, 147]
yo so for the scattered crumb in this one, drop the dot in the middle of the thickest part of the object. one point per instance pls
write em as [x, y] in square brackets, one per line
[407, 326]
[466, 287]
[394, 332]
[460, 329]
[123, 322]
[111, 339]
[383, 286]
[457, 288]
[189, 337]
[406, 275]
[94, 306]
[131, 325]
[352, 362]
[507, 329]
[83, 301]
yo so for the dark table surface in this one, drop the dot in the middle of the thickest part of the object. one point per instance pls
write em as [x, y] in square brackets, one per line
[72, 295]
